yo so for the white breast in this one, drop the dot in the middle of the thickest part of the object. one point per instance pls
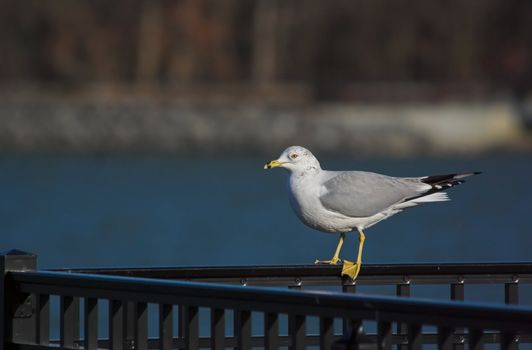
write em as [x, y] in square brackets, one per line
[304, 199]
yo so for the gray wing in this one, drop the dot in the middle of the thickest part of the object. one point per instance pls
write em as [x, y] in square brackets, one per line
[362, 194]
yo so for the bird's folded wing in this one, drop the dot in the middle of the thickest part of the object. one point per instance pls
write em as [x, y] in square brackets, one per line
[363, 194]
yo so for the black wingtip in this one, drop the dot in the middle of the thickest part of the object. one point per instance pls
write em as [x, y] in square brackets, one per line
[448, 179]
[462, 175]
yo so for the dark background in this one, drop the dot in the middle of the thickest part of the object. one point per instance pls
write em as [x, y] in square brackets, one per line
[333, 48]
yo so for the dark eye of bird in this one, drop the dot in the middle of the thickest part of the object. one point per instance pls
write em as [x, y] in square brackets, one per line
[293, 156]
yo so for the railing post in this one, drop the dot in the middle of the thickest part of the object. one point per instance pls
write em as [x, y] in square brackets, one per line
[69, 321]
[458, 293]
[91, 323]
[18, 320]
[166, 323]
[116, 324]
[296, 331]
[403, 290]
[271, 331]
[355, 339]
[129, 325]
[384, 335]
[348, 324]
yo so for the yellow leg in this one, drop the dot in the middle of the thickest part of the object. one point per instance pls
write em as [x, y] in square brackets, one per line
[335, 258]
[352, 269]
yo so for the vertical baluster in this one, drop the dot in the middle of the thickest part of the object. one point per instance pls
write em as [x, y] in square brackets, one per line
[457, 291]
[508, 341]
[77, 320]
[402, 290]
[445, 338]
[511, 297]
[69, 321]
[243, 329]
[384, 335]
[458, 294]
[271, 331]
[217, 329]
[191, 327]
[43, 319]
[347, 324]
[511, 293]
[141, 326]
[165, 327]
[181, 321]
[414, 337]
[326, 332]
[475, 339]
[116, 324]
[91, 323]
[129, 324]
[296, 331]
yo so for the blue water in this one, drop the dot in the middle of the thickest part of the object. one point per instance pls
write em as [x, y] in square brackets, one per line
[163, 210]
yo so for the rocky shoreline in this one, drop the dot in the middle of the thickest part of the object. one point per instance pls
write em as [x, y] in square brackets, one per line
[135, 125]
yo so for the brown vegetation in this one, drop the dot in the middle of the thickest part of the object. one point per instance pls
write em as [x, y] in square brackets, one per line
[328, 46]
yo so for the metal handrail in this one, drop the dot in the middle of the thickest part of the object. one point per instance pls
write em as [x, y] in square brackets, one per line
[314, 303]
[181, 292]
[330, 275]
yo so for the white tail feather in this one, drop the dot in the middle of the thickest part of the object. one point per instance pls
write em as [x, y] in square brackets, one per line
[434, 197]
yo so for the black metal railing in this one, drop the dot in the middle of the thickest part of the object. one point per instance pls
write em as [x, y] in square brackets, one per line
[245, 317]
[455, 276]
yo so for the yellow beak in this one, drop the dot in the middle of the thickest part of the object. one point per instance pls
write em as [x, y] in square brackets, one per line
[273, 164]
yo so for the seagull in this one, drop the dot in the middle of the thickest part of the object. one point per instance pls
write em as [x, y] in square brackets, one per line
[344, 201]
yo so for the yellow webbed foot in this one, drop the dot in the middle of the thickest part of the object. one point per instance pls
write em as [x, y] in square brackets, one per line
[333, 261]
[350, 269]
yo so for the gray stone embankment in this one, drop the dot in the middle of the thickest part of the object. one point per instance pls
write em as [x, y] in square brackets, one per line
[55, 125]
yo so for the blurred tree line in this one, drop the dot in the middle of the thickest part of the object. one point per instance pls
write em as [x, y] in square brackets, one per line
[326, 45]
